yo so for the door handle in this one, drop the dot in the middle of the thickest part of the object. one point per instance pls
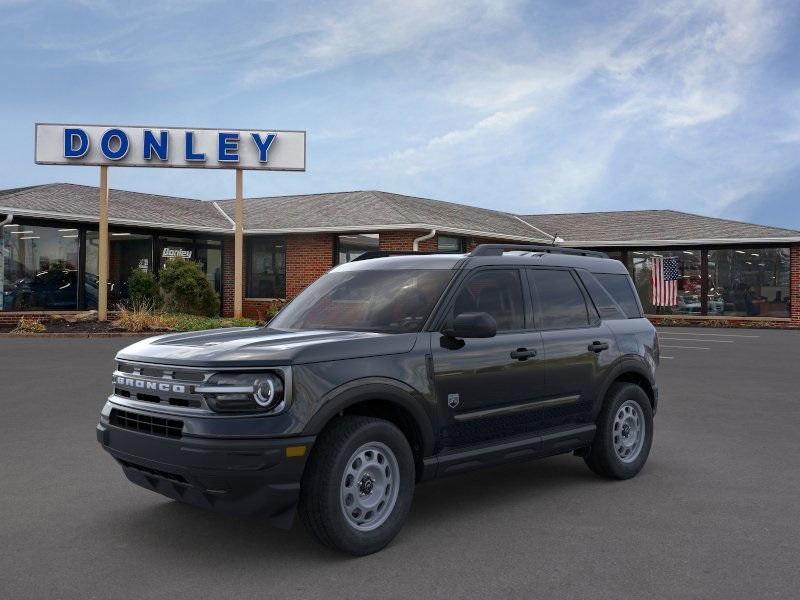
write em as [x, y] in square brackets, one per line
[598, 346]
[522, 353]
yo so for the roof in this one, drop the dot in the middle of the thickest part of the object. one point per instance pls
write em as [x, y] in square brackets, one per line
[371, 211]
[80, 203]
[374, 210]
[627, 228]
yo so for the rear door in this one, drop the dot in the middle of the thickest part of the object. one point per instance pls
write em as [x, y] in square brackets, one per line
[578, 346]
[485, 385]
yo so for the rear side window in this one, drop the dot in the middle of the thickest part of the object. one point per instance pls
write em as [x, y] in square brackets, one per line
[561, 302]
[605, 304]
[621, 290]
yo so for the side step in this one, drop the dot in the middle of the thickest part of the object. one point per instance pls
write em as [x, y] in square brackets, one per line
[452, 462]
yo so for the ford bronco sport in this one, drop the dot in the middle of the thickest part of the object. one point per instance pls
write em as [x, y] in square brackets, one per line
[386, 372]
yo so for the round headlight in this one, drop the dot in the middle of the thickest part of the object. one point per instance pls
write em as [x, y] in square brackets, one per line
[268, 391]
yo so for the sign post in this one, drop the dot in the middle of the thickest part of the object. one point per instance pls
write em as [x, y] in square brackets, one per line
[238, 243]
[102, 255]
[175, 147]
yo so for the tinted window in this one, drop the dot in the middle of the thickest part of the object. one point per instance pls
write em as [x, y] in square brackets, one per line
[605, 304]
[561, 301]
[619, 286]
[497, 292]
[266, 267]
[389, 301]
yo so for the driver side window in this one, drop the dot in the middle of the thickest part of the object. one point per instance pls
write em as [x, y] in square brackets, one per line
[497, 292]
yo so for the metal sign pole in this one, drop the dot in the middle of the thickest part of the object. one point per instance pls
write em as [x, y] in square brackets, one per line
[102, 259]
[238, 247]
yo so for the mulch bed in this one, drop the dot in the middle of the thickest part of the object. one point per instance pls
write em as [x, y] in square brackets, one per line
[85, 327]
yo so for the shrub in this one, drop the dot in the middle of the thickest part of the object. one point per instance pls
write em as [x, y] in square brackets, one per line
[26, 325]
[195, 323]
[143, 289]
[141, 317]
[186, 290]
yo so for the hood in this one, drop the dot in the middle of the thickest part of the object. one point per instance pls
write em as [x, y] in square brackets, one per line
[259, 346]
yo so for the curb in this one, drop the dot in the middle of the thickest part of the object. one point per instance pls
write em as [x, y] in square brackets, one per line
[121, 334]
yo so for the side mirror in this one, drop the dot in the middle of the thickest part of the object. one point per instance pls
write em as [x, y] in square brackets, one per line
[472, 325]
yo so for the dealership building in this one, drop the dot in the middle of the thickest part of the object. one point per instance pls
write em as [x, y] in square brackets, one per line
[742, 273]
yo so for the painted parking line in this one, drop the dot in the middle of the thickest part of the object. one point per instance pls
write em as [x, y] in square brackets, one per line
[736, 335]
[672, 339]
[688, 347]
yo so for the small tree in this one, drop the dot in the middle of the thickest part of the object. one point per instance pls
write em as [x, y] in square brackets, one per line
[143, 289]
[186, 289]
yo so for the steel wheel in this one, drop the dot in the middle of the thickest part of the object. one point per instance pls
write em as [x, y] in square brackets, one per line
[629, 431]
[369, 486]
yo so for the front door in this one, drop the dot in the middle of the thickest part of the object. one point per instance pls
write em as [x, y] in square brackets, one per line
[485, 387]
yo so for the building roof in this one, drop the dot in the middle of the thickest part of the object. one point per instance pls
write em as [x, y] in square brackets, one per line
[374, 210]
[665, 227]
[365, 211]
[80, 203]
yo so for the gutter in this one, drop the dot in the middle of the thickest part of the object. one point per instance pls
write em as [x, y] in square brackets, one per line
[422, 238]
[686, 242]
[224, 214]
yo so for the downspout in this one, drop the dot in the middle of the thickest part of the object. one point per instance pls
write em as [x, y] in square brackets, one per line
[427, 236]
[7, 220]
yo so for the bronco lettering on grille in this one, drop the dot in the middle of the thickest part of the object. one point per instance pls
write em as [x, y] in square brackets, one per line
[144, 384]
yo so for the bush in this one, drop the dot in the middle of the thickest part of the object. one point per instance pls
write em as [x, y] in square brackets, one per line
[186, 290]
[143, 289]
[195, 323]
[142, 318]
[26, 325]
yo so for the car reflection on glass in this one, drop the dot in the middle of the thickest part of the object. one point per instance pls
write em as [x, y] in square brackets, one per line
[51, 289]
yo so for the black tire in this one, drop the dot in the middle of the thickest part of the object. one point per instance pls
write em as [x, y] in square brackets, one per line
[320, 506]
[602, 457]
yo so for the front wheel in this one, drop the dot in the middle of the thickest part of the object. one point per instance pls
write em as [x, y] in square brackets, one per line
[357, 488]
[624, 433]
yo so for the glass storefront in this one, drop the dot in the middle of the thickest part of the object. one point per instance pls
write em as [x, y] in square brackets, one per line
[128, 251]
[749, 282]
[685, 298]
[39, 267]
[448, 244]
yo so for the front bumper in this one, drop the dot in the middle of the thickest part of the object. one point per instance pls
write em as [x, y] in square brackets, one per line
[233, 476]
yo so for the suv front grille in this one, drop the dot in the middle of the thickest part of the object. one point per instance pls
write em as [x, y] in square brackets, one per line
[160, 385]
[168, 428]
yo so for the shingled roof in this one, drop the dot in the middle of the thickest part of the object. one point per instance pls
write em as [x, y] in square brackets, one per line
[627, 228]
[363, 211]
[374, 210]
[79, 203]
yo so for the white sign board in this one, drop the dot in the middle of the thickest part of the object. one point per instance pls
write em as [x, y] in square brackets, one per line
[189, 148]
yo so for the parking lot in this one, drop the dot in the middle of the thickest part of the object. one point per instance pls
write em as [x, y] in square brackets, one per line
[714, 514]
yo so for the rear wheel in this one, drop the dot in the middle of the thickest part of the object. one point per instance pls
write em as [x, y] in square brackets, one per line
[624, 433]
[358, 486]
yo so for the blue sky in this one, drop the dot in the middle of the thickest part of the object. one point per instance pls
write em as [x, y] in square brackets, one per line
[556, 106]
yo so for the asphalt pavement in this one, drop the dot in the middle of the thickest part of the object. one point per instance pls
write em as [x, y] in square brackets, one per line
[714, 514]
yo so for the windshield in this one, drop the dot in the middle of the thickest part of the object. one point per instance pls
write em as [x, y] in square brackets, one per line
[390, 301]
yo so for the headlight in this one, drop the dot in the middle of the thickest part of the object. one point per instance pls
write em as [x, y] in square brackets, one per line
[243, 392]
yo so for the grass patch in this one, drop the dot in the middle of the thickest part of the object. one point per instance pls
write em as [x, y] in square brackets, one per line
[26, 325]
[143, 318]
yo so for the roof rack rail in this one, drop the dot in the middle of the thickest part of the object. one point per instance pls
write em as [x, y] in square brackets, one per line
[384, 253]
[498, 249]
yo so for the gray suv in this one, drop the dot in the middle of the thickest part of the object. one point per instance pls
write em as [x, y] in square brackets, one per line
[386, 372]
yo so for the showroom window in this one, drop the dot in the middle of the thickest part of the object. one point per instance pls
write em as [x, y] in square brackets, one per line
[349, 247]
[128, 252]
[748, 282]
[668, 281]
[448, 244]
[39, 267]
[266, 267]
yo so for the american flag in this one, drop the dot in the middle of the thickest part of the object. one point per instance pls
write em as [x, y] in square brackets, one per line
[665, 280]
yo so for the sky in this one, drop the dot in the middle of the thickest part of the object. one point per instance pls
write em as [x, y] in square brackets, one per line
[528, 107]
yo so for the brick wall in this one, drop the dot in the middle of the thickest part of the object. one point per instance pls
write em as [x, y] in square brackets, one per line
[404, 241]
[227, 277]
[794, 283]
